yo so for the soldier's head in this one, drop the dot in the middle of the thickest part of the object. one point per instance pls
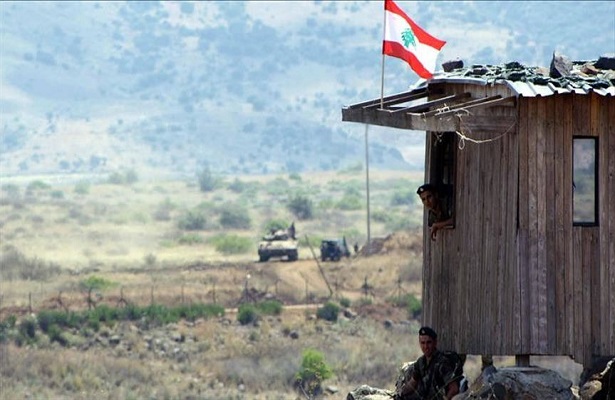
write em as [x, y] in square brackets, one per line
[428, 340]
[429, 195]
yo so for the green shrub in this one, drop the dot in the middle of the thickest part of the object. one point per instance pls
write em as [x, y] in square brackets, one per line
[313, 371]
[235, 217]
[328, 312]
[345, 302]
[294, 176]
[270, 307]
[382, 216]
[11, 189]
[27, 329]
[192, 221]
[401, 223]
[301, 207]
[104, 313]
[48, 318]
[57, 194]
[190, 239]
[126, 177]
[404, 197]
[96, 283]
[238, 186]
[231, 244]
[276, 224]
[37, 185]
[82, 187]
[414, 306]
[56, 334]
[163, 210]
[207, 181]
[247, 314]
[350, 203]
[15, 265]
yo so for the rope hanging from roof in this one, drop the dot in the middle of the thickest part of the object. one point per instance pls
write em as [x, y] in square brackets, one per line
[463, 136]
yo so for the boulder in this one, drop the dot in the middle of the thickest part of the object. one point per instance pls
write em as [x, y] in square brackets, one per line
[519, 383]
[365, 392]
[560, 66]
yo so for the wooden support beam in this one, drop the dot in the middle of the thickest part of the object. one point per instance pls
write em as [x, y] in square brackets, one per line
[488, 102]
[418, 122]
[461, 105]
[433, 103]
[392, 99]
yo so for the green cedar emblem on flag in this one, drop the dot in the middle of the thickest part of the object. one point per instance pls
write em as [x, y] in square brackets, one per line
[408, 37]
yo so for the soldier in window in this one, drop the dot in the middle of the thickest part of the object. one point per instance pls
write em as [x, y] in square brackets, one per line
[439, 216]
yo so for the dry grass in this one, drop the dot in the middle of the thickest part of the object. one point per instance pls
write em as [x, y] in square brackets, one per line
[117, 233]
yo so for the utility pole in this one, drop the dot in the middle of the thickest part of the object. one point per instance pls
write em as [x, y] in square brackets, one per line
[367, 184]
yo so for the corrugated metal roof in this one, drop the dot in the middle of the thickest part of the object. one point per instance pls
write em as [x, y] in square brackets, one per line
[578, 77]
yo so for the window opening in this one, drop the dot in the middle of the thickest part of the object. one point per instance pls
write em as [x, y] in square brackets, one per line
[442, 167]
[585, 181]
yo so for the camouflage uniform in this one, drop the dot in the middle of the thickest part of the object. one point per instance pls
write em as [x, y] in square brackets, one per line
[443, 215]
[433, 378]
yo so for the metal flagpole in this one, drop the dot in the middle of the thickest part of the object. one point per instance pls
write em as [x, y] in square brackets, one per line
[384, 30]
[367, 185]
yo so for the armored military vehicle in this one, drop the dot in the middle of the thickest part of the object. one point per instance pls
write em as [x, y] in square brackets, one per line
[280, 243]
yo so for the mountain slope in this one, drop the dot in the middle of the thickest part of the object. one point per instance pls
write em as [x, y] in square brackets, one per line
[250, 87]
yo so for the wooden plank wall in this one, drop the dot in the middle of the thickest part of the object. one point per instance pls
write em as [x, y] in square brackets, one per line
[463, 264]
[604, 303]
[515, 276]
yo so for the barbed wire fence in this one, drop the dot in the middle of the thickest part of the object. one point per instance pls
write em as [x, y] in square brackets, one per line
[203, 292]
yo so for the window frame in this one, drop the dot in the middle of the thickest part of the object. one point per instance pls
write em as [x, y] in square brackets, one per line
[596, 190]
[443, 168]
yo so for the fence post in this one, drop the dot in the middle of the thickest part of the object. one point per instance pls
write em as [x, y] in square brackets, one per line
[30, 302]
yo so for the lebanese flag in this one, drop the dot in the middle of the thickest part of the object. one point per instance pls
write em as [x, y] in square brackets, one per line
[404, 39]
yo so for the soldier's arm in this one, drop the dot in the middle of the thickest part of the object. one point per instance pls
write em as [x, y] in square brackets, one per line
[410, 387]
[452, 389]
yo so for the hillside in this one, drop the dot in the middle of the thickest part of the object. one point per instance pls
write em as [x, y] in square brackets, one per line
[244, 87]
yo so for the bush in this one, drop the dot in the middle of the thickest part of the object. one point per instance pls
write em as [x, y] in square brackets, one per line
[96, 283]
[37, 185]
[301, 207]
[275, 225]
[328, 312]
[270, 307]
[57, 194]
[404, 197]
[126, 177]
[345, 302]
[82, 187]
[231, 244]
[238, 186]
[27, 329]
[235, 217]
[350, 203]
[15, 265]
[190, 239]
[163, 211]
[414, 306]
[247, 314]
[192, 221]
[313, 371]
[382, 216]
[207, 181]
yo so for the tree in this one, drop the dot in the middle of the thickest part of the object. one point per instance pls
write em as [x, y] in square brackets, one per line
[301, 207]
[207, 181]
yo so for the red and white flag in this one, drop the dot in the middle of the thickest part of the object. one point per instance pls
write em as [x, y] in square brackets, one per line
[404, 39]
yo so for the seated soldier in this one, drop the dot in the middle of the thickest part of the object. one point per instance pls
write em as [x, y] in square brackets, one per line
[433, 375]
